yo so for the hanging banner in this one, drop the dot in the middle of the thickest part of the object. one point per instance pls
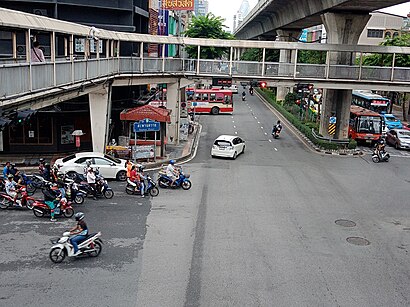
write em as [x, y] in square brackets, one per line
[178, 5]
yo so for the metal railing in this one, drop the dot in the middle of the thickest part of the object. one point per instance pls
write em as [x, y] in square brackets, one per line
[18, 79]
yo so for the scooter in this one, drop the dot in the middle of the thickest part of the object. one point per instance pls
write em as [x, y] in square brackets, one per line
[73, 193]
[64, 208]
[165, 182]
[25, 200]
[382, 156]
[151, 189]
[62, 247]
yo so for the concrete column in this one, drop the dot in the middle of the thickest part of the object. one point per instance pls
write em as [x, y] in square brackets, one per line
[341, 28]
[100, 112]
[172, 104]
[286, 56]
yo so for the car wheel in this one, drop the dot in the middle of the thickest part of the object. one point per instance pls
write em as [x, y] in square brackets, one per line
[122, 176]
[397, 145]
[215, 111]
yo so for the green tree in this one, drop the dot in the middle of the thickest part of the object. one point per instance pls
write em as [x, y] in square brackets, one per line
[311, 57]
[402, 60]
[208, 26]
[255, 54]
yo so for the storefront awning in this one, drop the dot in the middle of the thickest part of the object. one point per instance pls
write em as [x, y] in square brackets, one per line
[147, 111]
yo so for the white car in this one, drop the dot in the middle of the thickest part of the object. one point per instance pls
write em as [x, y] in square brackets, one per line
[228, 146]
[108, 166]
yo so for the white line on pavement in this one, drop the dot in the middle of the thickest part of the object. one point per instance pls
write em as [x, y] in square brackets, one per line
[276, 149]
[270, 141]
[261, 127]
[266, 133]
[236, 132]
[234, 126]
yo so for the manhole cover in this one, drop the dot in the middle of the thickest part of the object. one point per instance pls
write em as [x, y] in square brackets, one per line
[358, 241]
[345, 223]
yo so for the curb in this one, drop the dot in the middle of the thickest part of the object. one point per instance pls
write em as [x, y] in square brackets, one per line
[305, 140]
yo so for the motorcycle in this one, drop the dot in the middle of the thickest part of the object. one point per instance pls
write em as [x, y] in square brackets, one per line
[251, 91]
[25, 201]
[381, 156]
[64, 208]
[73, 192]
[62, 247]
[243, 98]
[151, 189]
[276, 133]
[165, 182]
[102, 186]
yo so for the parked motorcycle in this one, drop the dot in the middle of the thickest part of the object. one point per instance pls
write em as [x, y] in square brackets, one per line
[165, 182]
[23, 199]
[62, 247]
[64, 208]
[151, 188]
[381, 156]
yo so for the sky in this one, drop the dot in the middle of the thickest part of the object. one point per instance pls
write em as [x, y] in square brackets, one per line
[227, 8]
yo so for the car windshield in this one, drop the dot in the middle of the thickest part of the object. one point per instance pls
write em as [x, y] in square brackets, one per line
[112, 159]
[222, 143]
[369, 124]
[68, 158]
[404, 134]
[391, 119]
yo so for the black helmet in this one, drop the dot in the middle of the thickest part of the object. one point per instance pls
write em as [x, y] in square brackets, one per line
[79, 216]
[381, 141]
[41, 160]
[141, 168]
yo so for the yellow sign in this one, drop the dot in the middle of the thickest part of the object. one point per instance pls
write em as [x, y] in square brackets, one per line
[182, 5]
[332, 129]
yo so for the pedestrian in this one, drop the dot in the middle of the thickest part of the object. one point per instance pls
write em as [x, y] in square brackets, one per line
[37, 55]
[6, 170]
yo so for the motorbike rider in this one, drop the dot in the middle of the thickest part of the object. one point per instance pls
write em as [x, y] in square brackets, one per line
[128, 166]
[6, 170]
[243, 95]
[91, 181]
[11, 188]
[172, 172]
[277, 127]
[380, 148]
[52, 197]
[41, 166]
[136, 178]
[251, 90]
[142, 179]
[80, 231]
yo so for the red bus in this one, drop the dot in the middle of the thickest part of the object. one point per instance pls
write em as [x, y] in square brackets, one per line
[213, 101]
[365, 125]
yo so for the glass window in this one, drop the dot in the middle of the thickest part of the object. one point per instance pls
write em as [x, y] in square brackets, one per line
[205, 97]
[68, 158]
[395, 34]
[112, 158]
[387, 34]
[101, 161]
[82, 160]
[222, 143]
[45, 130]
[197, 96]
[212, 97]
[219, 97]
[375, 33]
[227, 99]
[369, 124]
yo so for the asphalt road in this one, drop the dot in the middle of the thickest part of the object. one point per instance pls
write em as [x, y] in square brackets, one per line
[257, 231]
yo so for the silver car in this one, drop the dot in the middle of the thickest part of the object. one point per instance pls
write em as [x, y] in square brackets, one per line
[399, 138]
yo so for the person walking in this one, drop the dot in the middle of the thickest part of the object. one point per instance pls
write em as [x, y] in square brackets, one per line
[37, 55]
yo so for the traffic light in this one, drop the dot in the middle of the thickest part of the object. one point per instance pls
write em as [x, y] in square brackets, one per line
[183, 111]
[24, 115]
[262, 84]
[224, 82]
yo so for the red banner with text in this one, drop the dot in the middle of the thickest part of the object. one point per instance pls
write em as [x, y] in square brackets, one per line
[181, 5]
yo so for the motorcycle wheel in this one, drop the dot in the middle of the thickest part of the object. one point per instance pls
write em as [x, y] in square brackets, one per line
[375, 159]
[79, 199]
[186, 184]
[68, 213]
[108, 194]
[129, 189]
[97, 251]
[31, 189]
[30, 204]
[154, 192]
[4, 203]
[57, 255]
[38, 212]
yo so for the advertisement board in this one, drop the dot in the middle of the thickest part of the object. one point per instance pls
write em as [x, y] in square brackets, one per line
[181, 5]
[143, 152]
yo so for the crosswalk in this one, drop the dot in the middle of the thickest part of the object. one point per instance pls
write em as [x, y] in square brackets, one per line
[401, 153]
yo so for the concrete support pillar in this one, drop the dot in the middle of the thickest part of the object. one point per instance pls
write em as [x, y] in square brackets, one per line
[173, 104]
[286, 56]
[341, 28]
[100, 112]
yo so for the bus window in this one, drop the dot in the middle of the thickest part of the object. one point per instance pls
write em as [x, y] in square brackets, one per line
[212, 97]
[205, 97]
[369, 124]
[227, 99]
[197, 96]
[219, 97]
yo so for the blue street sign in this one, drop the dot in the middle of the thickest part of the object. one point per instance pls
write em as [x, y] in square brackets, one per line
[332, 120]
[146, 125]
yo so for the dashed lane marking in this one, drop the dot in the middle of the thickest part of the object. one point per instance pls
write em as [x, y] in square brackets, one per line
[236, 132]
[270, 141]
[275, 149]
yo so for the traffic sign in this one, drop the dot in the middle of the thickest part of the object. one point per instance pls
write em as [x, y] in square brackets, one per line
[194, 104]
[332, 120]
[146, 125]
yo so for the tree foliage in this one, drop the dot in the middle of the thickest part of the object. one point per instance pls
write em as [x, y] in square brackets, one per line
[311, 57]
[255, 54]
[208, 26]
[402, 60]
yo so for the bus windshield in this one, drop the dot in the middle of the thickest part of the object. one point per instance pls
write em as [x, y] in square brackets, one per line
[369, 124]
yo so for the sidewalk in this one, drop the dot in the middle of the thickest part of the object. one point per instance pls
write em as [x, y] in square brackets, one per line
[181, 152]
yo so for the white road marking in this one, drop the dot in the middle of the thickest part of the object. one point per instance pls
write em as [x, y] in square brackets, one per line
[234, 126]
[266, 134]
[261, 127]
[256, 117]
[236, 132]
[276, 149]
[259, 122]
[270, 141]
[233, 121]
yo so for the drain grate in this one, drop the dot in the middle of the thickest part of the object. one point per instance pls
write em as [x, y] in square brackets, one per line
[358, 241]
[345, 223]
